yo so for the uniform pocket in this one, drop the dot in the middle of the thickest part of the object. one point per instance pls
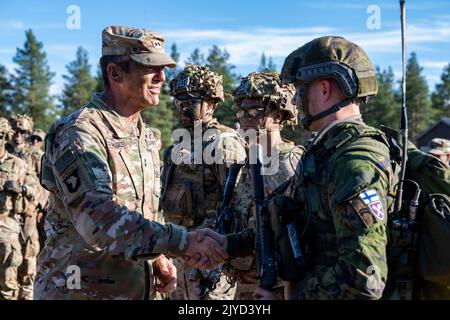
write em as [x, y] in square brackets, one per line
[177, 203]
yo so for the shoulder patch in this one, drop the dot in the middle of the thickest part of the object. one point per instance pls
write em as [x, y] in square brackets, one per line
[372, 200]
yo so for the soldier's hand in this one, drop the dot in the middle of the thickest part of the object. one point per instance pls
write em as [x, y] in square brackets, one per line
[166, 274]
[13, 186]
[220, 239]
[263, 294]
[204, 254]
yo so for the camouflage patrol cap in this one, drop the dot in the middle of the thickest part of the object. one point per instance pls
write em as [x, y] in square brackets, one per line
[141, 45]
[5, 127]
[333, 57]
[22, 122]
[439, 146]
[274, 94]
[38, 133]
[195, 81]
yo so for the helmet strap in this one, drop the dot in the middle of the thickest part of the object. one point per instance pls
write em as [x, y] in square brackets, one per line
[308, 119]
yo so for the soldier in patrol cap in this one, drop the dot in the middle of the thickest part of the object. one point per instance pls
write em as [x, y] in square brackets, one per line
[193, 185]
[440, 148]
[102, 167]
[22, 126]
[17, 189]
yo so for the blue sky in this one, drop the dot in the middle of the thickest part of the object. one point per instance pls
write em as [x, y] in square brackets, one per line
[245, 28]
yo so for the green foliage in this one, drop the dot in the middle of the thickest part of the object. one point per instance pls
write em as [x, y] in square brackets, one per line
[440, 98]
[79, 84]
[32, 83]
[264, 64]
[420, 113]
[384, 108]
[5, 92]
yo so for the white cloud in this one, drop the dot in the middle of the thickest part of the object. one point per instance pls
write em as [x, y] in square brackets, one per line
[440, 65]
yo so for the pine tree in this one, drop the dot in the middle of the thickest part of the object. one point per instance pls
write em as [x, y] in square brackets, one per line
[5, 92]
[79, 84]
[32, 83]
[196, 57]
[266, 65]
[217, 61]
[384, 108]
[440, 98]
[420, 113]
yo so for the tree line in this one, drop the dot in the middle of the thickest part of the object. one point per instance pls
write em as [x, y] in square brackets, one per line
[27, 91]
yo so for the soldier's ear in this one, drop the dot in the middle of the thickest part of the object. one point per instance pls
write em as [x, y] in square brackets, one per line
[114, 72]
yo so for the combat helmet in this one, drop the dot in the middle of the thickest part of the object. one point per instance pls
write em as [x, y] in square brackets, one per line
[332, 57]
[197, 82]
[5, 128]
[274, 94]
[22, 122]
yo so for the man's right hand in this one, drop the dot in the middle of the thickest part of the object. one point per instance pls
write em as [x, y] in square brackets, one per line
[206, 249]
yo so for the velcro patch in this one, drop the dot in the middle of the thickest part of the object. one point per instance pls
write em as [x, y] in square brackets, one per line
[372, 200]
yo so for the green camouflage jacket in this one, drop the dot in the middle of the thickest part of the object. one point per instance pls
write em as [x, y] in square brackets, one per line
[345, 193]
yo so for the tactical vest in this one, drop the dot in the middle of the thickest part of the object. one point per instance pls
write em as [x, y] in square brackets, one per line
[11, 205]
[192, 191]
[301, 200]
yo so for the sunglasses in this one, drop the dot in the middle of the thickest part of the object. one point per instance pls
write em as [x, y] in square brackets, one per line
[187, 104]
[250, 113]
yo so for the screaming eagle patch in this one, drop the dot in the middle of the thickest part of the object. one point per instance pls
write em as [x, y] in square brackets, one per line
[372, 200]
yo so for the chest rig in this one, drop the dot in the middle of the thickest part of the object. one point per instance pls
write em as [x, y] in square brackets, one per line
[191, 191]
[306, 201]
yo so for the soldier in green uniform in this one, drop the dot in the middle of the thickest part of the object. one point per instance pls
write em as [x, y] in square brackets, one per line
[17, 189]
[101, 164]
[195, 168]
[265, 107]
[344, 189]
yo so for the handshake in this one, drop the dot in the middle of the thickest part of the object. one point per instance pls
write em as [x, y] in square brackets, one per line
[206, 249]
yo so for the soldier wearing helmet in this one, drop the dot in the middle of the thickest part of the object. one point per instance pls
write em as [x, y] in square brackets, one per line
[195, 169]
[17, 190]
[264, 105]
[344, 180]
[22, 126]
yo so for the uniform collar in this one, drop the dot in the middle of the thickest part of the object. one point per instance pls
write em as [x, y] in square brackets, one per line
[5, 156]
[120, 125]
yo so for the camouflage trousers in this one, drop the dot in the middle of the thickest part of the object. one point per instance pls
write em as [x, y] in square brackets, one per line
[247, 280]
[30, 250]
[192, 285]
[10, 260]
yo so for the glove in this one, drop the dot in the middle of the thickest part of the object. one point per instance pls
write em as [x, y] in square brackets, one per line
[13, 186]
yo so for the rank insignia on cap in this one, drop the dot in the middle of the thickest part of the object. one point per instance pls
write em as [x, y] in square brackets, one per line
[372, 200]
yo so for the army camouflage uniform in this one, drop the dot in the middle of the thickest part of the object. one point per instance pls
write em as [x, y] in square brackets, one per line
[344, 190]
[30, 240]
[347, 235]
[103, 172]
[244, 268]
[193, 190]
[12, 207]
[267, 88]
[34, 156]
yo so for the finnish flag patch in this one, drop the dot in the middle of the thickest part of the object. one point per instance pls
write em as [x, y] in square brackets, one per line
[372, 200]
